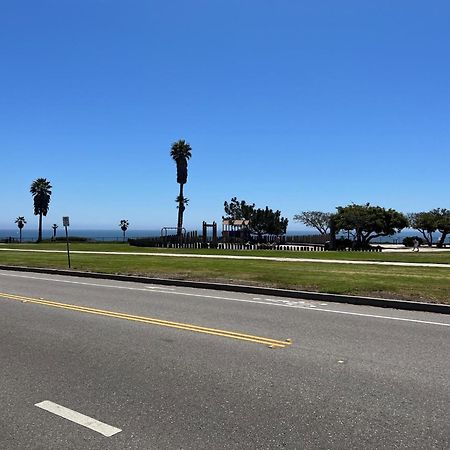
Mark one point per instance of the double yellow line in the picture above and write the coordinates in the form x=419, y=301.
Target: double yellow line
x=272, y=343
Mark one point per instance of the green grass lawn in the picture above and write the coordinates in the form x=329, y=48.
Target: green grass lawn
x=415, y=283
x=435, y=257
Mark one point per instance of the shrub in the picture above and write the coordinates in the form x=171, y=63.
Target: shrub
x=343, y=243
x=71, y=239
x=145, y=242
x=409, y=241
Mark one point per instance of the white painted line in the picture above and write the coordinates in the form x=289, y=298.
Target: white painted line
x=158, y=287
x=281, y=303
x=80, y=419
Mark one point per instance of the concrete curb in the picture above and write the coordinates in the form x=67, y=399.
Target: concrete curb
x=304, y=295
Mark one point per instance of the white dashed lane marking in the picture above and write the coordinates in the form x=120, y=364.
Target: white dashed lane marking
x=80, y=419
x=159, y=287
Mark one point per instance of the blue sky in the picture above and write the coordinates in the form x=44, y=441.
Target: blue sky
x=297, y=105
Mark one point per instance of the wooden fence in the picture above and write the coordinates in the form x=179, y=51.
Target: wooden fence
x=194, y=241
x=292, y=248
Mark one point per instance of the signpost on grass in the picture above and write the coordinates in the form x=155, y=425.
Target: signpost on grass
x=66, y=224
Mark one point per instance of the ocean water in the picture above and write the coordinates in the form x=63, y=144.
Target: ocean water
x=100, y=235
x=30, y=234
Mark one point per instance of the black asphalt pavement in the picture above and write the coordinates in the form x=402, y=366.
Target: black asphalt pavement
x=351, y=377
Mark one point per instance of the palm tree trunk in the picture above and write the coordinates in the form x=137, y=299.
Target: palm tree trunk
x=40, y=228
x=20, y=235
x=180, y=211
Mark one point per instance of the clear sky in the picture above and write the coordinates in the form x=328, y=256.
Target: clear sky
x=297, y=105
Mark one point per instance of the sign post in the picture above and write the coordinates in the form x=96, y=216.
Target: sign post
x=66, y=224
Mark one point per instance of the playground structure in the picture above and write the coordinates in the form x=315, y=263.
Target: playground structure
x=214, y=241
x=235, y=236
x=235, y=231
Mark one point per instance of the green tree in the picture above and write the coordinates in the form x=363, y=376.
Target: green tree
x=260, y=221
x=443, y=224
x=238, y=210
x=267, y=221
x=426, y=223
x=181, y=153
x=315, y=219
x=20, y=224
x=368, y=222
x=124, y=224
x=41, y=192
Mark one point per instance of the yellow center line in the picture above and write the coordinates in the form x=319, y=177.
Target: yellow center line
x=273, y=343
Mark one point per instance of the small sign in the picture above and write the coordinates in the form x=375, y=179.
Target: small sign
x=66, y=221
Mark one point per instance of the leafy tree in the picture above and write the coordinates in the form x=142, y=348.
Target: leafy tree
x=425, y=223
x=124, y=224
x=369, y=222
x=41, y=192
x=267, y=221
x=428, y=222
x=20, y=224
x=260, y=221
x=443, y=224
x=181, y=153
x=238, y=210
x=315, y=219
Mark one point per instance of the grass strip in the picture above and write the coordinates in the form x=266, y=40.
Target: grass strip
x=408, y=283
x=438, y=257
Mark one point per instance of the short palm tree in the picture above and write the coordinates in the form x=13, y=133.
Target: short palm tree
x=124, y=224
x=41, y=191
x=54, y=227
x=181, y=153
x=20, y=224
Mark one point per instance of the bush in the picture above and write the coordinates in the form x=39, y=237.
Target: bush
x=145, y=242
x=409, y=241
x=343, y=243
x=71, y=239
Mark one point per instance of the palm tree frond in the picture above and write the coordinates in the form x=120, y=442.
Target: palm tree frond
x=180, y=150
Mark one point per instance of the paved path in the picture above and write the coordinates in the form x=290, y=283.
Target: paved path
x=265, y=258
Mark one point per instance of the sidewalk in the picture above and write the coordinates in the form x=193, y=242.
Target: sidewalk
x=400, y=248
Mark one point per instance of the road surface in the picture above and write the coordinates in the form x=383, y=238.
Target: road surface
x=98, y=364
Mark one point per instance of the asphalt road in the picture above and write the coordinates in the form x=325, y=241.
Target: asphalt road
x=351, y=376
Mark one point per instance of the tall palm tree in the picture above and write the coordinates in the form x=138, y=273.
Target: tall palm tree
x=20, y=224
x=124, y=224
x=180, y=153
x=41, y=191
